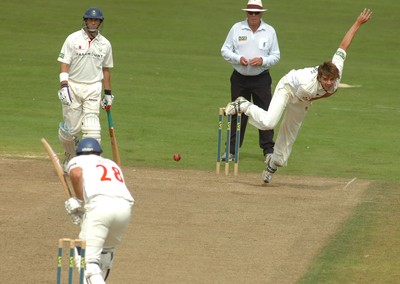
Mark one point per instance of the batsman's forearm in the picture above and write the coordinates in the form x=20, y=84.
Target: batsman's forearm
x=64, y=68
x=77, y=182
x=106, y=79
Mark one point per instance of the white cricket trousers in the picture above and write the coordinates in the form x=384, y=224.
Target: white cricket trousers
x=282, y=100
x=106, y=220
x=85, y=99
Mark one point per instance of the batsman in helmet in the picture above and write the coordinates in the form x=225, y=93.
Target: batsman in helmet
x=102, y=206
x=85, y=62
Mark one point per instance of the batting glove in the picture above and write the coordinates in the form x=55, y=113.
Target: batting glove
x=73, y=205
x=75, y=209
x=64, y=95
x=76, y=219
x=106, y=102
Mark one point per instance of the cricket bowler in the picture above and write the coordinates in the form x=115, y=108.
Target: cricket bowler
x=294, y=93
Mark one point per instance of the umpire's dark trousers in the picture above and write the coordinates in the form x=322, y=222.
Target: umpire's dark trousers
x=258, y=90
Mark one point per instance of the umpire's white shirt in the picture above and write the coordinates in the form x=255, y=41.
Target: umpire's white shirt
x=241, y=41
x=86, y=57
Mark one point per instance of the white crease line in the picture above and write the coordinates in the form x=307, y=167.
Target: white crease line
x=350, y=182
x=345, y=86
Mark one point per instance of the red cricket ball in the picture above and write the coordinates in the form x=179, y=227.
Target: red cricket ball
x=177, y=157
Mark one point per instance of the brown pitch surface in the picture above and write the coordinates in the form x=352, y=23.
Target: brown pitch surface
x=187, y=226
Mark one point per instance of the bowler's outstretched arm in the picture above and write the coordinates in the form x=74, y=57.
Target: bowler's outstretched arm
x=361, y=19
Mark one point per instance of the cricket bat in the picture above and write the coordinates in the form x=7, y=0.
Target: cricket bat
x=56, y=163
x=114, y=145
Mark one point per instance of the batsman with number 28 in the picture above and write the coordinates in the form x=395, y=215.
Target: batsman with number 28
x=294, y=93
x=102, y=206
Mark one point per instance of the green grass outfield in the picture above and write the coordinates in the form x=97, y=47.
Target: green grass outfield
x=169, y=80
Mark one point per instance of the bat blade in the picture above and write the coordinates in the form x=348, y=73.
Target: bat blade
x=56, y=163
x=113, y=139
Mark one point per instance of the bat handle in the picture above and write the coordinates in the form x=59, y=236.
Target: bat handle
x=109, y=118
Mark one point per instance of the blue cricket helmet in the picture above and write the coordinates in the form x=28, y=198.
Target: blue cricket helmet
x=88, y=146
x=93, y=13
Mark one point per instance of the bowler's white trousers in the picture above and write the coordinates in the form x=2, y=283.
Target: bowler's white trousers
x=282, y=100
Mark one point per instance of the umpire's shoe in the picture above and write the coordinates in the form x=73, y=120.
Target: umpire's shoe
x=230, y=157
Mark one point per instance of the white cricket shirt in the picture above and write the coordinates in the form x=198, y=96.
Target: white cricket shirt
x=303, y=83
x=241, y=41
x=100, y=177
x=86, y=57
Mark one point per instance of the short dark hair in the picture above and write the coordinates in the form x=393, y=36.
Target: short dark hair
x=328, y=69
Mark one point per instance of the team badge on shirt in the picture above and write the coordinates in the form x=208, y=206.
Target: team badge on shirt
x=341, y=54
x=242, y=38
x=78, y=47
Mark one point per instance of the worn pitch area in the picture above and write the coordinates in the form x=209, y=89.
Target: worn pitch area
x=187, y=226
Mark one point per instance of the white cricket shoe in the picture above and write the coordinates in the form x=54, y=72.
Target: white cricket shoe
x=266, y=176
x=269, y=170
x=239, y=105
x=77, y=258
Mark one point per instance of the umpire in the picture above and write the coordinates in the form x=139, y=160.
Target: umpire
x=252, y=48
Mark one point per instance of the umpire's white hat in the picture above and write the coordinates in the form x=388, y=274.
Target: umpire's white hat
x=254, y=6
